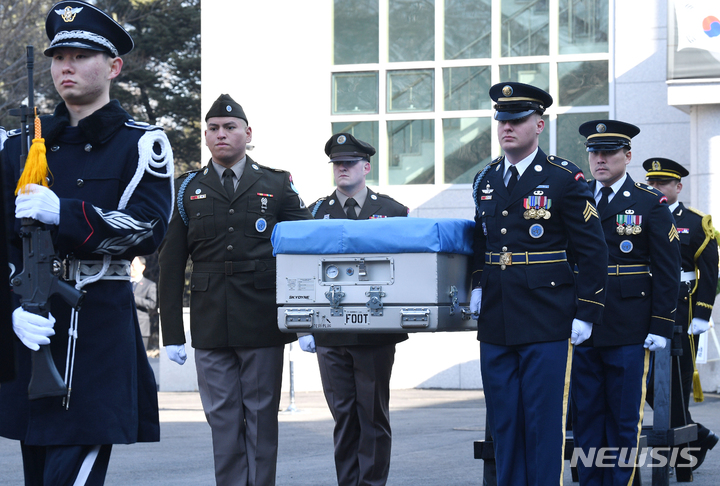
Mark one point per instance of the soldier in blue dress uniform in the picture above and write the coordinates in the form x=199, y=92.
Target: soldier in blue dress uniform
x=355, y=368
x=610, y=370
x=533, y=211
x=109, y=200
x=698, y=282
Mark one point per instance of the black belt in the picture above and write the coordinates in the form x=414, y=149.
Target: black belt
x=525, y=258
x=229, y=268
x=617, y=270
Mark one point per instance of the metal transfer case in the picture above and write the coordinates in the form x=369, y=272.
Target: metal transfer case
x=382, y=275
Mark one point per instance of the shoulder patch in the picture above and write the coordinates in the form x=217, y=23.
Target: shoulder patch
x=141, y=125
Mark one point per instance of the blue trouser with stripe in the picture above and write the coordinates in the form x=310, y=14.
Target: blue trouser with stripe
x=608, y=395
x=526, y=393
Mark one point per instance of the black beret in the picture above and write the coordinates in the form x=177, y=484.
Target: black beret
x=345, y=147
x=226, y=106
x=78, y=24
x=661, y=169
x=517, y=100
x=607, y=135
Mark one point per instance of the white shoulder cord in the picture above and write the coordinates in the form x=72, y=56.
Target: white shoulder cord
x=158, y=165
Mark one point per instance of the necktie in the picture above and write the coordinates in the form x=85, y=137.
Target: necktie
x=604, y=199
x=350, y=208
x=228, y=182
x=513, y=178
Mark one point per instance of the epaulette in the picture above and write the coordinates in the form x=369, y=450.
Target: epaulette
x=563, y=164
x=141, y=125
x=650, y=189
x=696, y=211
x=193, y=171
x=15, y=132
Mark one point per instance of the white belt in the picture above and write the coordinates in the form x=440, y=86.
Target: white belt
x=687, y=276
x=118, y=270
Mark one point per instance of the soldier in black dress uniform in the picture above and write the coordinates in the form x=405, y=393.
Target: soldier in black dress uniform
x=698, y=282
x=533, y=211
x=610, y=370
x=224, y=216
x=355, y=368
x=109, y=200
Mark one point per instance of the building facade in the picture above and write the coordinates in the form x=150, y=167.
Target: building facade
x=412, y=77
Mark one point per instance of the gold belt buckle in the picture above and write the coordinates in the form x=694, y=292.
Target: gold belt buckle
x=505, y=258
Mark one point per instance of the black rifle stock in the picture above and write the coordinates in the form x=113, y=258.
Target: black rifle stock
x=42, y=269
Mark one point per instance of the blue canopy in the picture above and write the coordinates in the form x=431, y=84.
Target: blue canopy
x=385, y=235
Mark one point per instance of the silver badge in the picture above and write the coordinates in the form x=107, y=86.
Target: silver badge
x=564, y=163
x=538, y=168
x=373, y=197
x=487, y=190
x=629, y=211
x=205, y=171
x=341, y=139
x=332, y=201
x=198, y=191
x=254, y=166
x=263, y=204
x=626, y=193
x=601, y=128
x=228, y=108
x=626, y=246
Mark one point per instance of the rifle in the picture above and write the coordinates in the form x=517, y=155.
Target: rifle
x=42, y=270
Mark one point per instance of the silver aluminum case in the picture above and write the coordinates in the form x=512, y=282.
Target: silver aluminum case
x=379, y=292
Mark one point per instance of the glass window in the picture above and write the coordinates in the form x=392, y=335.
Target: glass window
x=570, y=144
x=411, y=30
x=355, y=31
x=525, y=28
x=354, y=93
x=536, y=74
x=467, y=147
x=467, y=29
x=466, y=88
x=367, y=132
x=583, y=26
x=410, y=90
x=583, y=83
x=411, y=152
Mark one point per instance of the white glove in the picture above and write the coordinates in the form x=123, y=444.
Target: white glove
x=581, y=331
x=654, y=342
x=32, y=329
x=176, y=352
x=698, y=326
x=475, y=302
x=307, y=343
x=38, y=203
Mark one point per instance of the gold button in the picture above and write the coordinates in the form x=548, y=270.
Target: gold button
x=552, y=284
x=503, y=231
x=502, y=267
x=504, y=248
x=504, y=213
x=483, y=213
x=642, y=293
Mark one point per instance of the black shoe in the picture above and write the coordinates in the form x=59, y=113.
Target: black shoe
x=705, y=445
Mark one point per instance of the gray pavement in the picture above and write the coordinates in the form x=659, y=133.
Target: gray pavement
x=433, y=434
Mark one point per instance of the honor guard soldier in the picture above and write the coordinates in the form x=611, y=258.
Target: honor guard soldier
x=533, y=211
x=224, y=216
x=355, y=368
x=610, y=370
x=109, y=200
x=698, y=281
